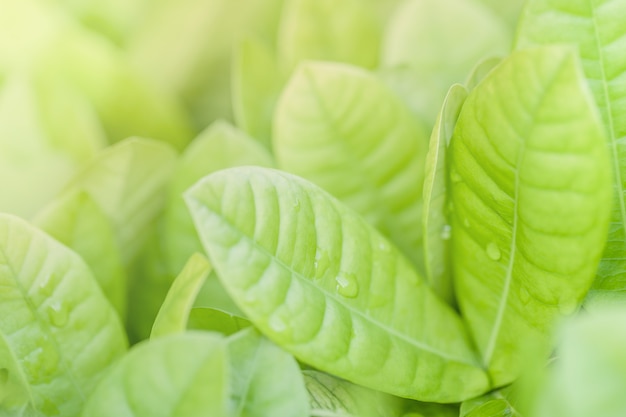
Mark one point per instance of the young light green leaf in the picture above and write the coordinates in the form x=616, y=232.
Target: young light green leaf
x=341, y=128
x=177, y=375
x=480, y=71
x=78, y=222
x=204, y=318
x=327, y=30
x=58, y=333
x=127, y=181
x=264, y=379
x=199, y=72
x=436, y=224
x=588, y=376
x=174, y=312
x=530, y=181
x=257, y=82
x=425, y=36
x=593, y=27
x=494, y=404
x=326, y=286
x=333, y=397
x=220, y=146
x=40, y=147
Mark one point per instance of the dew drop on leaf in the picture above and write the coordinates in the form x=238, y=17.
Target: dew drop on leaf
x=322, y=262
x=493, y=252
x=277, y=323
x=58, y=314
x=296, y=205
x=455, y=176
x=446, y=232
x=347, y=285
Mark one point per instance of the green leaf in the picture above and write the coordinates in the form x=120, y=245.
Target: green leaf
x=436, y=222
x=220, y=146
x=480, y=71
x=174, y=312
x=327, y=30
x=426, y=36
x=58, y=333
x=322, y=283
x=199, y=72
x=593, y=27
x=177, y=375
x=588, y=377
x=341, y=128
x=494, y=404
x=265, y=380
x=40, y=147
x=78, y=222
x=332, y=397
x=203, y=318
x=531, y=194
x=127, y=181
x=257, y=82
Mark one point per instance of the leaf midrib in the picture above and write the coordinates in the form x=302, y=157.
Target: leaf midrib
x=389, y=330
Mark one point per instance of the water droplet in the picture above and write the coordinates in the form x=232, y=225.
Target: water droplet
x=524, y=295
x=296, y=205
x=48, y=285
x=322, y=263
x=43, y=362
x=58, y=314
x=446, y=232
x=567, y=307
x=347, y=285
x=277, y=323
x=4, y=376
x=455, y=176
x=493, y=252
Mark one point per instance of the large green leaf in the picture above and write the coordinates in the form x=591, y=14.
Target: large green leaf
x=78, y=222
x=333, y=397
x=177, y=375
x=588, y=377
x=595, y=28
x=436, y=224
x=345, y=31
x=341, y=128
x=531, y=193
x=58, y=333
x=265, y=380
x=325, y=285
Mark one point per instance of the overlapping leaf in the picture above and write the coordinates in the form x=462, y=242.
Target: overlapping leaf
x=341, y=128
x=317, y=279
x=531, y=193
x=595, y=28
x=58, y=333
